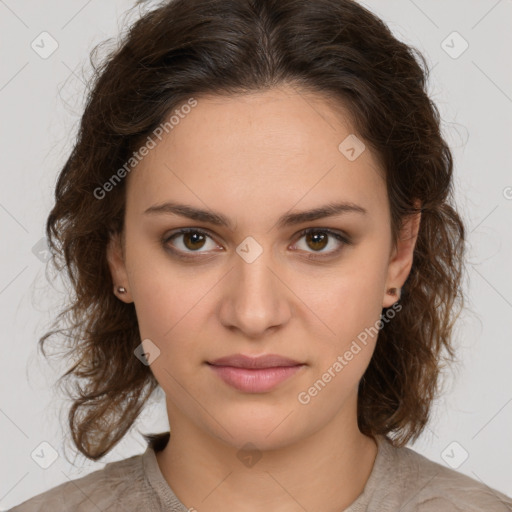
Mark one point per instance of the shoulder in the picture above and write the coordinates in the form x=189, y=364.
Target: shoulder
x=427, y=486
x=118, y=483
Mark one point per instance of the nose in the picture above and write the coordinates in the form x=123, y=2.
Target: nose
x=255, y=298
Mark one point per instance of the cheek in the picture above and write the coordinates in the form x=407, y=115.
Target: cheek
x=351, y=308
x=350, y=299
x=163, y=294
x=349, y=304
x=166, y=315
x=171, y=305
x=171, y=320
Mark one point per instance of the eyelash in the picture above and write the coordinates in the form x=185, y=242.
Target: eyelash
x=338, y=236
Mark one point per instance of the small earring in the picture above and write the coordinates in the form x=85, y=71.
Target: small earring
x=395, y=291
x=121, y=289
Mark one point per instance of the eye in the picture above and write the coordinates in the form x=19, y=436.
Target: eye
x=186, y=241
x=320, y=238
x=190, y=240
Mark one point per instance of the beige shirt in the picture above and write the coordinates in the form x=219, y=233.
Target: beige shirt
x=401, y=480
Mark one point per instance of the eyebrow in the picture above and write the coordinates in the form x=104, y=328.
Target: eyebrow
x=288, y=219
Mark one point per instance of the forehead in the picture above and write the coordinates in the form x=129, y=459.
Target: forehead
x=252, y=152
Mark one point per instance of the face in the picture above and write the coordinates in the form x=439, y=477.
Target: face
x=244, y=278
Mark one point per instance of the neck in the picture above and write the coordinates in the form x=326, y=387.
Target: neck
x=325, y=471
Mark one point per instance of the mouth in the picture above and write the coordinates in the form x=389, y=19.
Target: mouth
x=254, y=362
x=255, y=374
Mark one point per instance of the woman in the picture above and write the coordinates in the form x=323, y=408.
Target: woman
x=257, y=217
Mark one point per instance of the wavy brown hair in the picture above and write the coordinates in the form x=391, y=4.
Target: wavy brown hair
x=188, y=48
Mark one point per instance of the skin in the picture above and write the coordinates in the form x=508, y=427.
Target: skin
x=253, y=158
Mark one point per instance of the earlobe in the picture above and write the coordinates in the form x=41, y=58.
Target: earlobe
x=394, y=293
x=116, y=264
x=401, y=260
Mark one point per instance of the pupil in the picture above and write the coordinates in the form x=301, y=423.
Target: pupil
x=318, y=240
x=196, y=237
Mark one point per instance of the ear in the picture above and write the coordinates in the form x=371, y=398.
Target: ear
x=401, y=259
x=116, y=264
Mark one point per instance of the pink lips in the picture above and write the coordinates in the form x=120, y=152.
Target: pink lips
x=254, y=374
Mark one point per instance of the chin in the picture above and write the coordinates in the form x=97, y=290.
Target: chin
x=265, y=428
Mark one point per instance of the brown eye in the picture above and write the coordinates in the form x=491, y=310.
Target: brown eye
x=316, y=240
x=193, y=240
x=189, y=240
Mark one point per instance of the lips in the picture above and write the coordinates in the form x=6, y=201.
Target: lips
x=258, y=374
x=263, y=361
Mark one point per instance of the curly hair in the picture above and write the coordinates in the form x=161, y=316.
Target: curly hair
x=185, y=48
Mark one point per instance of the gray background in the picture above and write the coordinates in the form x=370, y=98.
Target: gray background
x=41, y=101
